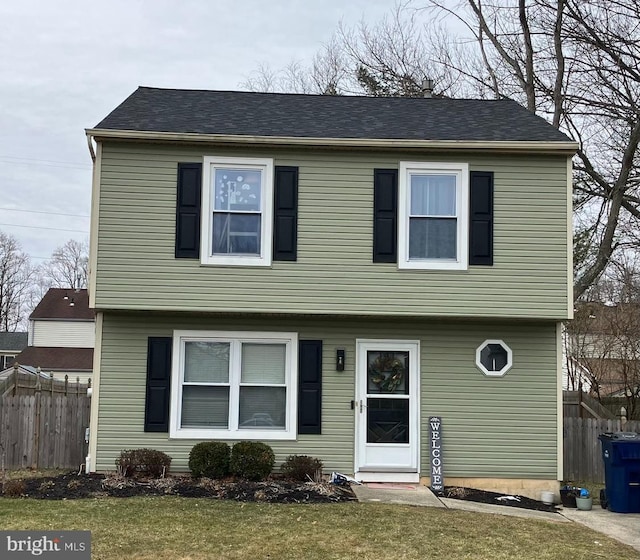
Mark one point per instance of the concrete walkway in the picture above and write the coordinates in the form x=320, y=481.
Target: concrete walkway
x=624, y=527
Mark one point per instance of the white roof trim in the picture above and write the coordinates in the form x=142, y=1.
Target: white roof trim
x=531, y=146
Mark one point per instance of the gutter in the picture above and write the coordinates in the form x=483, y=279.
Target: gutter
x=569, y=147
x=91, y=150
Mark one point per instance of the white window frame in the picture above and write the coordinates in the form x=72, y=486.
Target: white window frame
x=461, y=172
x=180, y=337
x=265, y=165
x=505, y=369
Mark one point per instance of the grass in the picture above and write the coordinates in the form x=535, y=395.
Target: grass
x=30, y=473
x=163, y=528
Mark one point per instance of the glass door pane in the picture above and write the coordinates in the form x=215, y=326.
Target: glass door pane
x=387, y=420
x=387, y=397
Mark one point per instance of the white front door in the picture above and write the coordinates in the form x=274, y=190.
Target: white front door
x=387, y=417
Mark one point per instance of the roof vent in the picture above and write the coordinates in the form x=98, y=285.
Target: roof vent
x=427, y=88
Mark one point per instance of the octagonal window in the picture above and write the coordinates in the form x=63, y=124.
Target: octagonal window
x=494, y=357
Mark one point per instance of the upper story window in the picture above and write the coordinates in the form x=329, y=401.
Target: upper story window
x=433, y=215
x=237, y=211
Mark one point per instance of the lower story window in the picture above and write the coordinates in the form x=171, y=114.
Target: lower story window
x=234, y=385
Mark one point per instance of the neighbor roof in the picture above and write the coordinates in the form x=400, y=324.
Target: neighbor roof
x=326, y=116
x=65, y=359
x=56, y=304
x=13, y=341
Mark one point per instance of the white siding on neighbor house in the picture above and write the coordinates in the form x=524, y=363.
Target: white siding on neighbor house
x=63, y=334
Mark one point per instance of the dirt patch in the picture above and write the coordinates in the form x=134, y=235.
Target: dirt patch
x=69, y=486
x=508, y=500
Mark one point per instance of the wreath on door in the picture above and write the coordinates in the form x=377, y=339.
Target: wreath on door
x=387, y=372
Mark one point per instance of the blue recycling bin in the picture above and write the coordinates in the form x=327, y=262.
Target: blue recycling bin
x=621, y=456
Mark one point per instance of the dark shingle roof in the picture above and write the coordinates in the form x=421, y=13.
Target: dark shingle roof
x=13, y=340
x=324, y=116
x=65, y=359
x=54, y=305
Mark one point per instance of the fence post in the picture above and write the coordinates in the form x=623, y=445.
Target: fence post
x=66, y=383
x=15, y=378
x=36, y=428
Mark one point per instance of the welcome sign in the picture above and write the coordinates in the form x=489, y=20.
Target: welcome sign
x=435, y=454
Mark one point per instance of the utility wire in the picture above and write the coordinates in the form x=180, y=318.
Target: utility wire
x=47, y=213
x=49, y=228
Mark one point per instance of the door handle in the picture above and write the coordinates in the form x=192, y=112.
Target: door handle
x=361, y=406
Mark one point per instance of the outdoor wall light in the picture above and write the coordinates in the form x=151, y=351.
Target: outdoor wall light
x=340, y=359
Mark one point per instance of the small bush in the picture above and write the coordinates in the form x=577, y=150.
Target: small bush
x=210, y=459
x=143, y=462
x=252, y=460
x=302, y=468
x=14, y=488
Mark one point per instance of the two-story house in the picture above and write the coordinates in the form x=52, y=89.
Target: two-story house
x=61, y=335
x=325, y=274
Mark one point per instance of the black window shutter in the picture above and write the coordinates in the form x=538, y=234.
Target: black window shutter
x=310, y=386
x=481, y=218
x=156, y=411
x=385, y=215
x=285, y=214
x=188, y=208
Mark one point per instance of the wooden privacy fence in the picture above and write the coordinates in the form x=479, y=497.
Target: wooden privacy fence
x=582, y=448
x=43, y=430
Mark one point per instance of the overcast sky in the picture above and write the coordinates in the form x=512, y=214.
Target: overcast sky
x=65, y=64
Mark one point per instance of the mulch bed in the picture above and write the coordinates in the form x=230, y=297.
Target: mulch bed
x=482, y=496
x=73, y=486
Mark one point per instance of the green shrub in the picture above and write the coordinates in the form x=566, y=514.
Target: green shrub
x=210, y=459
x=252, y=460
x=14, y=488
x=143, y=462
x=302, y=468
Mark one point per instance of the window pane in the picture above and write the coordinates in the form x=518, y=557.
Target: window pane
x=262, y=407
x=205, y=406
x=237, y=234
x=263, y=363
x=494, y=357
x=433, y=195
x=387, y=372
x=432, y=238
x=387, y=420
x=206, y=362
x=237, y=189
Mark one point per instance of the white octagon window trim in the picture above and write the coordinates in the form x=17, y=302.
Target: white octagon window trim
x=488, y=370
x=235, y=340
x=458, y=171
x=215, y=202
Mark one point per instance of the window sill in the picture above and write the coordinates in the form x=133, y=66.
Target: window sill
x=432, y=265
x=204, y=433
x=236, y=261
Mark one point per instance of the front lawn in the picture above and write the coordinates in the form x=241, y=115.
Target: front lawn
x=169, y=528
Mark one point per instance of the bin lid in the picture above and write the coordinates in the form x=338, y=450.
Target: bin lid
x=620, y=436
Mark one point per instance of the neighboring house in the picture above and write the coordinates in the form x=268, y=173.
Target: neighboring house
x=603, y=349
x=325, y=274
x=61, y=335
x=11, y=344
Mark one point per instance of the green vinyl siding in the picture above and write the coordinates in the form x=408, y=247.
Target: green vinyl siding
x=136, y=267
x=503, y=427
